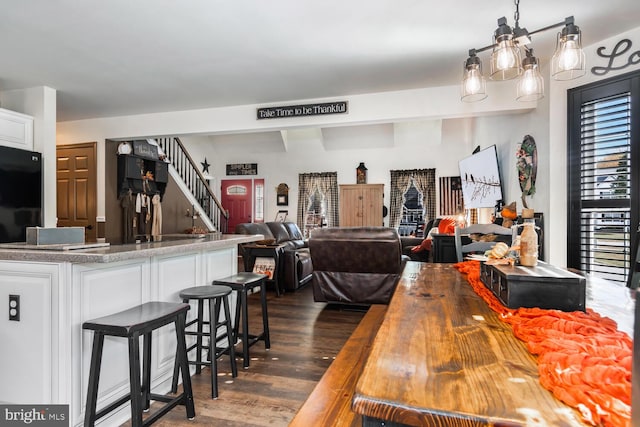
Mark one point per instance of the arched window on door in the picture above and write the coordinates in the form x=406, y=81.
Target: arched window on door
x=236, y=189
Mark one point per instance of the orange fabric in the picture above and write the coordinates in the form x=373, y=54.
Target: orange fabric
x=447, y=225
x=582, y=357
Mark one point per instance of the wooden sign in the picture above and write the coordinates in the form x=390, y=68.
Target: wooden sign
x=144, y=149
x=338, y=107
x=242, y=169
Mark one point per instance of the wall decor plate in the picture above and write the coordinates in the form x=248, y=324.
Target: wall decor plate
x=124, y=148
x=527, y=164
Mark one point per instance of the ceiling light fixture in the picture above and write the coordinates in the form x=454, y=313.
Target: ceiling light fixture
x=568, y=61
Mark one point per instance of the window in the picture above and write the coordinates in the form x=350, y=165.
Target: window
x=258, y=191
x=316, y=212
x=604, y=167
x=317, y=200
x=424, y=182
x=412, y=211
x=236, y=190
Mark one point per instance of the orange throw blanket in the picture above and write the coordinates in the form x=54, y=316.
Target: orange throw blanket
x=582, y=357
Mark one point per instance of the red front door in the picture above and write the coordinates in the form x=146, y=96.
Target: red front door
x=236, y=197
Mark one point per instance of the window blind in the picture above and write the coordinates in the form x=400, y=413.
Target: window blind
x=605, y=186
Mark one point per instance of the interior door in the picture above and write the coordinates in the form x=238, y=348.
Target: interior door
x=236, y=196
x=77, y=188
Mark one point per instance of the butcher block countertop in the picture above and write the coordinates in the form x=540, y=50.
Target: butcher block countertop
x=443, y=357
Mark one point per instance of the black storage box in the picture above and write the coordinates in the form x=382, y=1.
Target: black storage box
x=543, y=286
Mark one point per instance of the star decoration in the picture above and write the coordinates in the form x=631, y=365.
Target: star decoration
x=205, y=166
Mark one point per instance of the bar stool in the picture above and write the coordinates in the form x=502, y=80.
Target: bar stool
x=131, y=324
x=214, y=295
x=242, y=283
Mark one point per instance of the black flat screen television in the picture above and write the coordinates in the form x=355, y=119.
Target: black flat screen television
x=20, y=193
x=480, y=176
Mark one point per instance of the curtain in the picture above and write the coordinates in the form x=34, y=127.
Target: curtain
x=425, y=182
x=327, y=184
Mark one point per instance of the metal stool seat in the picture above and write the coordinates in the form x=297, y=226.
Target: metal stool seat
x=214, y=295
x=131, y=324
x=242, y=283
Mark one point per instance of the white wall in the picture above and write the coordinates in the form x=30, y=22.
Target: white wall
x=299, y=137
x=438, y=144
x=420, y=128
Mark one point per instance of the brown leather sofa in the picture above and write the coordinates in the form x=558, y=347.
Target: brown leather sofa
x=294, y=267
x=355, y=265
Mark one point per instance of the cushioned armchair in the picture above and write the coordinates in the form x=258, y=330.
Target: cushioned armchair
x=294, y=267
x=355, y=265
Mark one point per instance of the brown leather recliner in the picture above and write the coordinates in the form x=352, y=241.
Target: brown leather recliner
x=295, y=267
x=355, y=265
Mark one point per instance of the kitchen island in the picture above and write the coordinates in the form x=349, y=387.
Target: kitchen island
x=44, y=357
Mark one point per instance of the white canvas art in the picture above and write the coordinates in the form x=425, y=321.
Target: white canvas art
x=480, y=175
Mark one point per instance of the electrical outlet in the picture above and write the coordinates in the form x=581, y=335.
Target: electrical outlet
x=14, y=307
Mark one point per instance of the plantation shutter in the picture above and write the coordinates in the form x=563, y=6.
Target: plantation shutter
x=602, y=191
x=605, y=189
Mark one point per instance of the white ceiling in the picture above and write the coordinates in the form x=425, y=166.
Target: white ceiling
x=121, y=57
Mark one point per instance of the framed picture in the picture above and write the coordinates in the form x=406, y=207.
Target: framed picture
x=451, y=195
x=282, y=194
x=265, y=265
x=281, y=216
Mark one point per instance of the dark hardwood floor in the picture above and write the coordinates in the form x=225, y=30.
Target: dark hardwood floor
x=305, y=338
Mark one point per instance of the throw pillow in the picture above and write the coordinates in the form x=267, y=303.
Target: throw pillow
x=447, y=225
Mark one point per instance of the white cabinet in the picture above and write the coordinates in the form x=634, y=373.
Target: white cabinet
x=16, y=130
x=45, y=356
x=30, y=358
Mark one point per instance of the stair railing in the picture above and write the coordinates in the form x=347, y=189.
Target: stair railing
x=195, y=181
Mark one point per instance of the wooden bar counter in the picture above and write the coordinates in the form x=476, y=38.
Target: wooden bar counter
x=442, y=357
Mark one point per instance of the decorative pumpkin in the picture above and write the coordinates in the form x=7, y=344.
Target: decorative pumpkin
x=499, y=250
x=509, y=211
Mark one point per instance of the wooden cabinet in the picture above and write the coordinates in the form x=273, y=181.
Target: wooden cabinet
x=361, y=205
x=142, y=175
x=444, y=248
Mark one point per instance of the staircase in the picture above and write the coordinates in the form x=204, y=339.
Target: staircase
x=193, y=184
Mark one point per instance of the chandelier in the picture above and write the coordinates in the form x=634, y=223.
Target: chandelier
x=568, y=61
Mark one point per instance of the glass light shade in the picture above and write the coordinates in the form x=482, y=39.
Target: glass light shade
x=568, y=60
x=530, y=86
x=474, y=85
x=505, y=59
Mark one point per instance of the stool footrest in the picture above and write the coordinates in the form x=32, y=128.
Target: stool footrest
x=219, y=337
x=254, y=338
x=166, y=398
x=191, y=322
x=171, y=402
x=101, y=413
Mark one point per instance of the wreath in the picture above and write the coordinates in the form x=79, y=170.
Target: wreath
x=527, y=164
